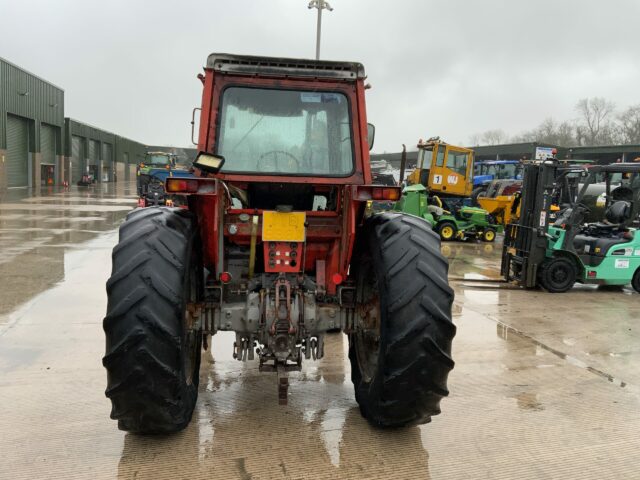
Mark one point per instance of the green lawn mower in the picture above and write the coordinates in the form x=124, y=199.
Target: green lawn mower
x=446, y=217
x=551, y=246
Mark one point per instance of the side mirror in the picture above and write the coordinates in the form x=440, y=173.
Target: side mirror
x=371, y=134
x=209, y=162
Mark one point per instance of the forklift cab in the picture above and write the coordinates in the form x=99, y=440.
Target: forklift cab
x=596, y=240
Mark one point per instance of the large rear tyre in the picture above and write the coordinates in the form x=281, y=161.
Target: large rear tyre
x=153, y=347
x=400, y=349
x=557, y=275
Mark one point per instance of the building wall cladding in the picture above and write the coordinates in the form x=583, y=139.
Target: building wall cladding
x=100, y=149
x=29, y=100
x=41, y=105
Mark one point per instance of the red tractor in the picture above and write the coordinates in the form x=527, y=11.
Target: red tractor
x=277, y=245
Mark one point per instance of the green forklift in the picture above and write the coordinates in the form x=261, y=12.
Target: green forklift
x=450, y=221
x=551, y=246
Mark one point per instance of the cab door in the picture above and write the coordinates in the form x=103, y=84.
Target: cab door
x=452, y=171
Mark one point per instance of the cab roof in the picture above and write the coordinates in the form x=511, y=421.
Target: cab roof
x=617, y=168
x=276, y=66
x=497, y=162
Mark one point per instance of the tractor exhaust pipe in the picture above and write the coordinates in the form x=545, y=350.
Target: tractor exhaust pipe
x=403, y=163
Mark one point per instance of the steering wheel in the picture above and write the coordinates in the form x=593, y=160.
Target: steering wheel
x=293, y=164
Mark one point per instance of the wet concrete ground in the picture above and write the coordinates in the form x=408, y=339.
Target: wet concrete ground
x=545, y=386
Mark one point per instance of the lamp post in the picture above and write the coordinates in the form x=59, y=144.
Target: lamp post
x=320, y=5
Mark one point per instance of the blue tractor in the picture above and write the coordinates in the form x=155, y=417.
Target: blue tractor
x=151, y=175
x=486, y=171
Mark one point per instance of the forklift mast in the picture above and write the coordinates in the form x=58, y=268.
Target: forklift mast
x=525, y=241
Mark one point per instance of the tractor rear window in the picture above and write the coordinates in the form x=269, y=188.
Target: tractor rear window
x=157, y=160
x=291, y=132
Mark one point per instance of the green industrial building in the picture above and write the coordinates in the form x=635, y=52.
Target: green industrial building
x=31, y=128
x=40, y=147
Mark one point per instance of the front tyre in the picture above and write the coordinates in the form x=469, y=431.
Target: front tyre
x=447, y=231
x=400, y=349
x=152, y=343
x=557, y=275
x=489, y=235
x=635, y=281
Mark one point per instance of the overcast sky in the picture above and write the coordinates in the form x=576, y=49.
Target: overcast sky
x=447, y=67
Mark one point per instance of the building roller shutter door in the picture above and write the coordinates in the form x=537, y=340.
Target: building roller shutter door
x=94, y=151
x=17, y=166
x=47, y=145
x=107, y=161
x=76, y=159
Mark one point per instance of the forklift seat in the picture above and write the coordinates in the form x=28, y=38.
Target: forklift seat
x=618, y=212
x=585, y=244
x=592, y=250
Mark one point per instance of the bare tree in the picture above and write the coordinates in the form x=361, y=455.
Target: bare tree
x=549, y=131
x=494, y=137
x=474, y=140
x=629, y=125
x=594, y=127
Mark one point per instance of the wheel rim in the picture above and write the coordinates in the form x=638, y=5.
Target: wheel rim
x=559, y=275
x=190, y=334
x=489, y=235
x=447, y=232
x=367, y=334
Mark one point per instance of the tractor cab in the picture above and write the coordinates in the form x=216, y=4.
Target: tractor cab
x=445, y=169
x=485, y=171
x=158, y=160
x=275, y=245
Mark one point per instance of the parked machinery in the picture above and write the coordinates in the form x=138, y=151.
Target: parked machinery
x=437, y=190
x=550, y=245
x=450, y=223
x=485, y=172
x=274, y=245
x=151, y=174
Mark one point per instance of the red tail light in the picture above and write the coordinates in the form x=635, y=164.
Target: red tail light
x=377, y=192
x=181, y=185
x=201, y=186
x=385, y=193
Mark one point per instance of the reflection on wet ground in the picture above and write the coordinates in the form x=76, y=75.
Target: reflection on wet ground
x=527, y=399
x=36, y=231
